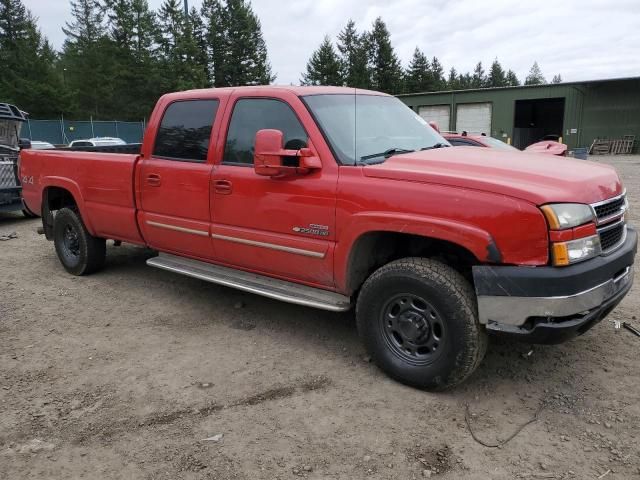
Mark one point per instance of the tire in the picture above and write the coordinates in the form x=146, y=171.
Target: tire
x=418, y=319
x=78, y=251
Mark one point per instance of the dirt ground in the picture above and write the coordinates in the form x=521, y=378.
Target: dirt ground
x=126, y=373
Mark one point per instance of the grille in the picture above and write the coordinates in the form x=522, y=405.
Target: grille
x=614, y=207
x=610, y=237
x=8, y=178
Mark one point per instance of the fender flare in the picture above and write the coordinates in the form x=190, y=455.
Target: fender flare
x=74, y=189
x=476, y=240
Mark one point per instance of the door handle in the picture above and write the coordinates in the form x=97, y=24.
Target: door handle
x=153, y=179
x=223, y=187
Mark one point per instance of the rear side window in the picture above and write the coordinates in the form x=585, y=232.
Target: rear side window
x=253, y=114
x=185, y=130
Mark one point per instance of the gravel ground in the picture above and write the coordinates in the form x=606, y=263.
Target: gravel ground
x=139, y=373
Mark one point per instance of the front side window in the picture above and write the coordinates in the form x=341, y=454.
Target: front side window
x=185, y=130
x=360, y=127
x=253, y=114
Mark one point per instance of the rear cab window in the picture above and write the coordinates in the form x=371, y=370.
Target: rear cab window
x=185, y=131
x=253, y=114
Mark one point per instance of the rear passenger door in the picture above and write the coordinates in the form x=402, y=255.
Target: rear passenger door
x=174, y=181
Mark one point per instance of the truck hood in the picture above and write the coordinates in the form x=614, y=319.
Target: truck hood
x=536, y=178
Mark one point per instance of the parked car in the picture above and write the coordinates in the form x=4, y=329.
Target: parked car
x=472, y=140
x=549, y=147
x=274, y=191
x=11, y=120
x=97, y=142
x=40, y=145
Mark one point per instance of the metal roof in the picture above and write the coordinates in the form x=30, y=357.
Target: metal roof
x=547, y=85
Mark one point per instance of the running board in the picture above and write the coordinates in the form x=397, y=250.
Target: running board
x=250, y=282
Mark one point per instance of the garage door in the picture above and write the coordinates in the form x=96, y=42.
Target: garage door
x=474, y=118
x=436, y=113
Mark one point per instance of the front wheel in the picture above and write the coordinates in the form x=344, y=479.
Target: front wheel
x=418, y=320
x=79, y=252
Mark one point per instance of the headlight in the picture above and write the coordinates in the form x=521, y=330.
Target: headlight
x=567, y=215
x=566, y=253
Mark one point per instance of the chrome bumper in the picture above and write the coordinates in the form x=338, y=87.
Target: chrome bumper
x=514, y=310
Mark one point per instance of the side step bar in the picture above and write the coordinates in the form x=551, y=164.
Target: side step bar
x=250, y=282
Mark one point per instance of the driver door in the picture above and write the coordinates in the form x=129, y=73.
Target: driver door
x=277, y=226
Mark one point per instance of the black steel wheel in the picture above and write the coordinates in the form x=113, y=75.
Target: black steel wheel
x=413, y=328
x=418, y=320
x=79, y=252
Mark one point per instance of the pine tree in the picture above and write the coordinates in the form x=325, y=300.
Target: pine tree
x=512, y=79
x=497, y=77
x=28, y=77
x=465, y=81
x=323, y=68
x=453, y=82
x=557, y=79
x=137, y=77
x=179, y=49
x=353, y=57
x=88, y=61
x=237, y=50
x=386, y=71
x=201, y=56
x=418, y=77
x=437, y=71
x=213, y=16
x=535, y=76
x=478, y=79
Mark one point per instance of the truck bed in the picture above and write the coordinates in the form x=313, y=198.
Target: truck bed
x=102, y=184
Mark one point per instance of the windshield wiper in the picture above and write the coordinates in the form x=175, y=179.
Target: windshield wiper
x=387, y=153
x=437, y=145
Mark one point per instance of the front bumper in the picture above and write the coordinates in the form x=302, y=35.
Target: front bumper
x=551, y=304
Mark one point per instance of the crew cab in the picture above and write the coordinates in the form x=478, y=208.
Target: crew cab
x=336, y=198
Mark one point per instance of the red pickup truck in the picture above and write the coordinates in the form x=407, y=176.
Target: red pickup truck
x=331, y=198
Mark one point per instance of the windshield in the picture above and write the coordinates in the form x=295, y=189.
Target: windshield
x=495, y=143
x=358, y=126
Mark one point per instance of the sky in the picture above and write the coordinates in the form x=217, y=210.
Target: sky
x=578, y=39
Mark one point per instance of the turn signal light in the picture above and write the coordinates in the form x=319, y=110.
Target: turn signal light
x=567, y=253
x=560, y=254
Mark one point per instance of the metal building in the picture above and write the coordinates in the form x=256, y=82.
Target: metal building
x=576, y=112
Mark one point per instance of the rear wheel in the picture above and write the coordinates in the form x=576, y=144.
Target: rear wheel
x=79, y=252
x=418, y=319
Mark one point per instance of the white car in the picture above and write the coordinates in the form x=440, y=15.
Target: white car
x=40, y=145
x=98, y=142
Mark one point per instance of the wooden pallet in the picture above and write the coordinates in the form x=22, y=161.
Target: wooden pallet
x=616, y=146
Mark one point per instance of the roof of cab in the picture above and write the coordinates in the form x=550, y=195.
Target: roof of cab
x=265, y=89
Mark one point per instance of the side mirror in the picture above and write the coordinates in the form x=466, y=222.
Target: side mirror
x=269, y=153
x=24, y=143
x=434, y=125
